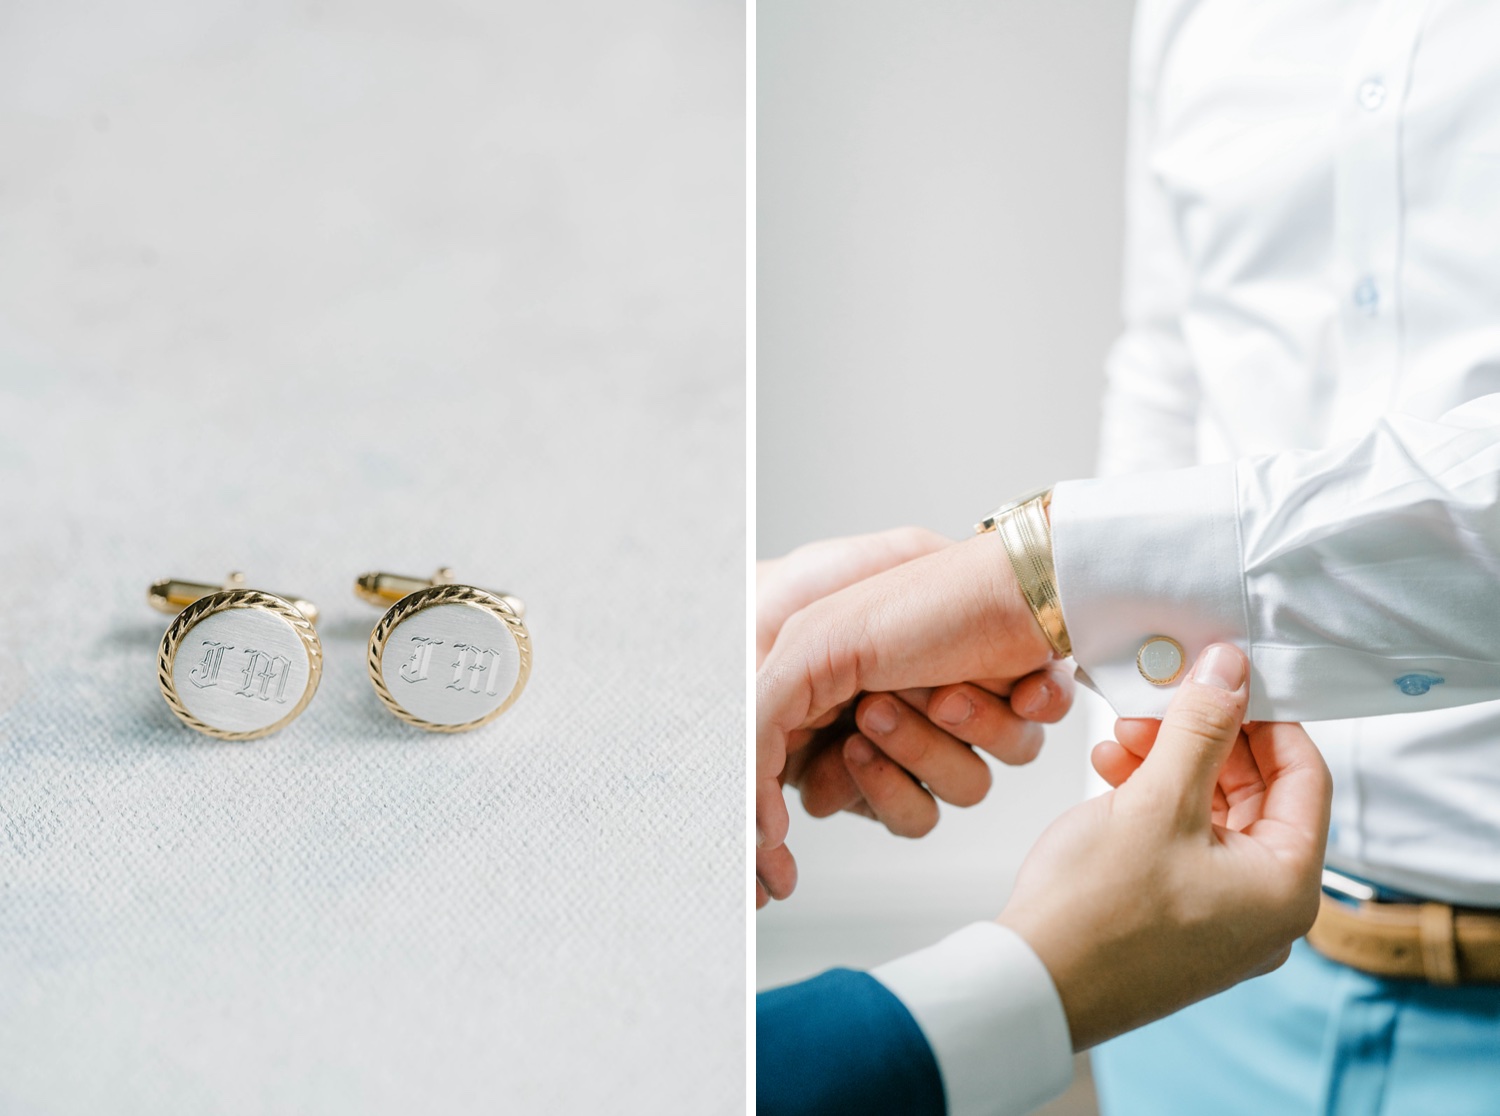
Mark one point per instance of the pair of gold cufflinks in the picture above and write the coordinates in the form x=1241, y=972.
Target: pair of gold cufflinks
x=239, y=663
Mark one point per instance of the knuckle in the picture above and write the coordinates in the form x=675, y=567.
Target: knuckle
x=1023, y=745
x=776, y=871
x=827, y=648
x=882, y=786
x=1055, y=710
x=995, y=734
x=910, y=744
x=847, y=639
x=805, y=627
x=1208, y=719
x=971, y=789
x=818, y=803
x=1063, y=703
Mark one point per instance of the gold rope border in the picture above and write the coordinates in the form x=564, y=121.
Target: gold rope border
x=413, y=603
x=213, y=603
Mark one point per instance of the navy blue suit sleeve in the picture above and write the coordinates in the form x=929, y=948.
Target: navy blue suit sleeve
x=840, y=1044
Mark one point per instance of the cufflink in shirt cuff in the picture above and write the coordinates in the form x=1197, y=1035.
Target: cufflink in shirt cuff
x=1149, y=574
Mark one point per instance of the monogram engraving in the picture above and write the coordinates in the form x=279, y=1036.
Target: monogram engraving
x=271, y=671
x=473, y=662
x=447, y=664
x=415, y=668
x=206, y=673
x=265, y=675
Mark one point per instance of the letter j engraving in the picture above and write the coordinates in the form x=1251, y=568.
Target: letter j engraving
x=206, y=673
x=415, y=668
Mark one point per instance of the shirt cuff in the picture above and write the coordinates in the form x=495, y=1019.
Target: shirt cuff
x=989, y=1011
x=1151, y=554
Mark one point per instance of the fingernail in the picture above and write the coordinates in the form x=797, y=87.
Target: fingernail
x=760, y=838
x=859, y=750
x=955, y=709
x=1036, y=700
x=1222, y=666
x=881, y=717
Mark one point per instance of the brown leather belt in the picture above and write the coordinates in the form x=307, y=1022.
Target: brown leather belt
x=1419, y=941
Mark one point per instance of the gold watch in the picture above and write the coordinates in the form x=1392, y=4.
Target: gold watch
x=1026, y=531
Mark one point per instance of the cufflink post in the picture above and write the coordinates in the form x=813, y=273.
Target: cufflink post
x=172, y=595
x=381, y=588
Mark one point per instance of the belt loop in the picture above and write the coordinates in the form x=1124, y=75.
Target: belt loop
x=1439, y=948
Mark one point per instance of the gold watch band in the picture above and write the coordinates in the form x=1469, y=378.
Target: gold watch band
x=1026, y=533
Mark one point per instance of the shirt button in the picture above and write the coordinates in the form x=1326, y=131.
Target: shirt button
x=1160, y=660
x=1367, y=297
x=1372, y=94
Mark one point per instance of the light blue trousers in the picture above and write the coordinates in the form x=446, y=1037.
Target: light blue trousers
x=1312, y=1039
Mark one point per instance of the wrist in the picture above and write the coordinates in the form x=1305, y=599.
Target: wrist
x=1008, y=609
x=1084, y=963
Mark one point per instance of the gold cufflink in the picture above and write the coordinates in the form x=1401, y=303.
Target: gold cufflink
x=1160, y=660
x=236, y=663
x=445, y=657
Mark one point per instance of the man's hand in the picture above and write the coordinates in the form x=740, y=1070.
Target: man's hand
x=784, y=586
x=931, y=729
x=1197, y=871
x=948, y=655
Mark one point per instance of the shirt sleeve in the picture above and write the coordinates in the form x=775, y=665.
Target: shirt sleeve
x=1362, y=579
x=992, y=1017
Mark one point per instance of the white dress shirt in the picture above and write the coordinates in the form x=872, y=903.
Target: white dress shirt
x=1301, y=440
x=1301, y=437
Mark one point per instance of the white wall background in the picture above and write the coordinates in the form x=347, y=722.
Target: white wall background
x=939, y=238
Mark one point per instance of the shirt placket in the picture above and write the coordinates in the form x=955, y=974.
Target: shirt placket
x=1367, y=216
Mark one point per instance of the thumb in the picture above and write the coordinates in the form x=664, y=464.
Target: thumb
x=1200, y=727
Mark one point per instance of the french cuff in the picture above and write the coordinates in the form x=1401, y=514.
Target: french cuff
x=1145, y=561
x=989, y=1011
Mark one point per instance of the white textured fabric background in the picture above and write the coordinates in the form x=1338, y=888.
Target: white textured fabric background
x=311, y=289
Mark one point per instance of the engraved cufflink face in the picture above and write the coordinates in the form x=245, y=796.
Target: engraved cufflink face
x=447, y=658
x=1160, y=660
x=237, y=663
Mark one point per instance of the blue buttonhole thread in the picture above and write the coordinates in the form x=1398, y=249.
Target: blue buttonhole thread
x=1417, y=684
